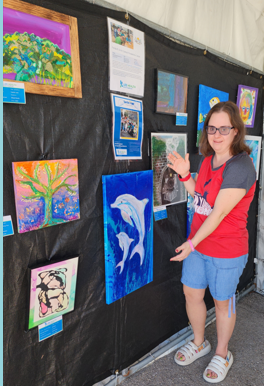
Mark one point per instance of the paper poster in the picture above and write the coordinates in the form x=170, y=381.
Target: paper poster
x=127, y=133
x=167, y=188
x=128, y=232
x=126, y=58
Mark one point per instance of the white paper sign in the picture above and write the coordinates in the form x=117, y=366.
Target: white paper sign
x=126, y=58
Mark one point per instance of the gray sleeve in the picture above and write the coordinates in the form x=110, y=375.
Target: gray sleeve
x=200, y=164
x=239, y=173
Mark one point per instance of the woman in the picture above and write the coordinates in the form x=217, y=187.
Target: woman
x=217, y=249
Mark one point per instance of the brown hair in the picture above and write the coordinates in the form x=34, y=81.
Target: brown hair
x=238, y=145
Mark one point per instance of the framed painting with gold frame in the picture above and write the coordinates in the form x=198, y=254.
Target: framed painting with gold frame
x=41, y=49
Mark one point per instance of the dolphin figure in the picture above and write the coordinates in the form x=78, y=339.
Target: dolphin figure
x=132, y=208
x=124, y=243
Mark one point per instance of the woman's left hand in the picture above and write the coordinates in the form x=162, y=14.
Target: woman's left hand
x=185, y=250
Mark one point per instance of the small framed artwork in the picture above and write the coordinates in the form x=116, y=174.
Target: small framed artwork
x=190, y=210
x=247, y=103
x=172, y=92
x=167, y=188
x=52, y=291
x=254, y=143
x=41, y=49
x=46, y=193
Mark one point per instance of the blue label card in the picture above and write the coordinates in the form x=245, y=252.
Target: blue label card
x=181, y=119
x=50, y=328
x=7, y=226
x=14, y=92
x=160, y=213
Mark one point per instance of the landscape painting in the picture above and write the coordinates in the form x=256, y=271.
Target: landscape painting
x=172, y=92
x=52, y=291
x=247, y=103
x=208, y=97
x=167, y=188
x=41, y=49
x=46, y=193
x=128, y=232
x=254, y=143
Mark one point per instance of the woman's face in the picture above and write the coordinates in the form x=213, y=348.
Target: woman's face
x=221, y=143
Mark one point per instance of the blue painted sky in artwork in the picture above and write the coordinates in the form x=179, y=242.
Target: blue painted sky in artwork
x=206, y=94
x=133, y=275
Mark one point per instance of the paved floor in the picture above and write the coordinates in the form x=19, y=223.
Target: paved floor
x=246, y=345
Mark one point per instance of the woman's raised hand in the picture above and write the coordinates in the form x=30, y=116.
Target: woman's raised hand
x=178, y=164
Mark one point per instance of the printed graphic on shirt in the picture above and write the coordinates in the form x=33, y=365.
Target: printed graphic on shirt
x=201, y=205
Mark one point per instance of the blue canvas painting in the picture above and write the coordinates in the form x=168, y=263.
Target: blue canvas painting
x=190, y=211
x=254, y=143
x=208, y=97
x=128, y=232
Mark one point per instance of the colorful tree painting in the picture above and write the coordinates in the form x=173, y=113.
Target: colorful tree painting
x=46, y=193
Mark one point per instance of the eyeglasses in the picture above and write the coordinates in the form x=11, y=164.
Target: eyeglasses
x=223, y=130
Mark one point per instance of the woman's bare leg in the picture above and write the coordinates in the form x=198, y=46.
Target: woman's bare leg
x=224, y=327
x=196, y=311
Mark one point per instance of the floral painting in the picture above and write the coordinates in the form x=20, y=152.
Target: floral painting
x=46, y=193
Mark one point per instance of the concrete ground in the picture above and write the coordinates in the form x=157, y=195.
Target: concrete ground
x=246, y=345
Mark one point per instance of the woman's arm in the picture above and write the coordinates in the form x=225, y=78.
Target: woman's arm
x=182, y=167
x=225, y=201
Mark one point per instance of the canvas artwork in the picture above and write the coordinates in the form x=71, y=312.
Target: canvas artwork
x=208, y=97
x=254, y=143
x=171, y=93
x=128, y=232
x=247, y=103
x=52, y=291
x=167, y=188
x=190, y=210
x=40, y=48
x=46, y=193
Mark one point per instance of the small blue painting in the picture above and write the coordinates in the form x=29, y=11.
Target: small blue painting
x=190, y=211
x=128, y=232
x=254, y=143
x=208, y=97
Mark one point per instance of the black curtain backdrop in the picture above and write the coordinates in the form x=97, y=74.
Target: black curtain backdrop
x=97, y=338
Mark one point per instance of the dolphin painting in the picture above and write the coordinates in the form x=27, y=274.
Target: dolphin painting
x=124, y=243
x=133, y=209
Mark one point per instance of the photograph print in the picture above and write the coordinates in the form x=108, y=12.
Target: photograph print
x=167, y=188
x=172, y=92
x=121, y=35
x=128, y=232
x=52, y=291
x=129, y=124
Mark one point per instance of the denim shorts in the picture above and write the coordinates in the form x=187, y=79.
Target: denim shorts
x=221, y=275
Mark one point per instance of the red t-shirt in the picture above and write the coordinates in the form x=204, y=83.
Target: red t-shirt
x=230, y=238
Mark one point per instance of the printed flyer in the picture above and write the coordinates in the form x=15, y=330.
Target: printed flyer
x=126, y=58
x=127, y=127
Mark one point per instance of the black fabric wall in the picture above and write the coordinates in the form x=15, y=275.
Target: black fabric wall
x=97, y=338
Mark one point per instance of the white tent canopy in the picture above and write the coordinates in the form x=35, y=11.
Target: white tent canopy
x=233, y=28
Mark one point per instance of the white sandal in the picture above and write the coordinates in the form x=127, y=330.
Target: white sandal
x=192, y=352
x=220, y=366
